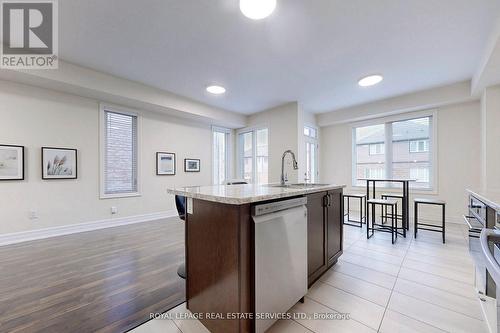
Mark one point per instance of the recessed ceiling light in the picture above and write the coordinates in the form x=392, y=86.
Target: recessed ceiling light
x=257, y=9
x=216, y=90
x=370, y=80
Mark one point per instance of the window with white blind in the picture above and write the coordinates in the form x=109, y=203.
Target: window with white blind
x=119, y=151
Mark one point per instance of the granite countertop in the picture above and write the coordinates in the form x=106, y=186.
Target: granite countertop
x=244, y=194
x=490, y=198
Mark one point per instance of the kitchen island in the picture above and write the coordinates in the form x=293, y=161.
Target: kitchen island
x=221, y=251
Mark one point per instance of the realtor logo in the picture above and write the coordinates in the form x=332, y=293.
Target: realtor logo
x=29, y=34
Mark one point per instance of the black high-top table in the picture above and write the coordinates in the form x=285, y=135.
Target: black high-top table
x=406, y=194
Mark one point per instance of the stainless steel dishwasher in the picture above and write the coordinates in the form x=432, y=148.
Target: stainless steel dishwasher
x=280, y=258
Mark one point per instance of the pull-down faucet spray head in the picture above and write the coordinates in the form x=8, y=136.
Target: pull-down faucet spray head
x=294, y=163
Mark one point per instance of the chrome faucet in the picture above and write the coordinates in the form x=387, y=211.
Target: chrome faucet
x=295, y=165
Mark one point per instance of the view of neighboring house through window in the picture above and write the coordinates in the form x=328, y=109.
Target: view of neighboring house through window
x=369, y=152
x=311, y=139
x=119, y=154
x=411, y=157
x=420, y=174
x=220, y=141
x=377, y=149
x=253, y=153
x=400, y=149
x=419, y=146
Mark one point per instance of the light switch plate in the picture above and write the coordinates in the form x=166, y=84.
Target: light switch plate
x=190, y=205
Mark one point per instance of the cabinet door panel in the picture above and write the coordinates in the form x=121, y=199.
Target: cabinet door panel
x=315, y=232
x=334, y=225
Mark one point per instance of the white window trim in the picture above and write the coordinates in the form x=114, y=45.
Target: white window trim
x=229, y=150
x=123, y=110
x=433, y=147
x=255, y=128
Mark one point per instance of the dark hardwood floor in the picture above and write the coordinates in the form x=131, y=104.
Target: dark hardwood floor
x=107, y=280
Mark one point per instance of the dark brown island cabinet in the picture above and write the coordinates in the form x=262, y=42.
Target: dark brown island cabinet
x=324, y=232
x=220, y=254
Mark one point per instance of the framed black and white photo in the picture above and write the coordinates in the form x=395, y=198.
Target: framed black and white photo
x=165, y=164
x=192, y=165
x=11, y=162
x=59, y=163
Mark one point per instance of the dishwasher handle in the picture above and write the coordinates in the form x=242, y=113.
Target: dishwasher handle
x=492, y=265
x=277, y=206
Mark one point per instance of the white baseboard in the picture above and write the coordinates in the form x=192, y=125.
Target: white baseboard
x=25, y=236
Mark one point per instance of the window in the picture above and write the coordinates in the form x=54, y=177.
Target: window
x=420, y=174
x=374, y=173
x=254, y=155
x=311, y=135
x=399, y=149
x=419, y=146
x=262, y=156
x=368, y=164
x=311, y=132
x=377, y=149
x=119, y=142
x=220, y=141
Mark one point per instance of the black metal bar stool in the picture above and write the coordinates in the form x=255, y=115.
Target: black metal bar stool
x=430, y=227
x=362, y=217
x=393, y=228
x=384, y=210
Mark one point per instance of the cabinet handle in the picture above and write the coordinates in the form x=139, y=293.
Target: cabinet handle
x=329, y=200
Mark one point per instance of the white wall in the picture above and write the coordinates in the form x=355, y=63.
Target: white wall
x=459, y=138
x=35, y=117
x=286, y=131
x=89, y=83
x=282, y=122
x=425, y=99
x=304, y=119
x=490, y=139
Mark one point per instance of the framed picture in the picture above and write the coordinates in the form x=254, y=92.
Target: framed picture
x=59, y=163
x=192, y=165
x=165, y=164
x=11, y=162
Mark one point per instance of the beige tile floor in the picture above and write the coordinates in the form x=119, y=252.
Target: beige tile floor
x=413, y=286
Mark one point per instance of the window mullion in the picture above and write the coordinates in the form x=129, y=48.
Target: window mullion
x=388, y=151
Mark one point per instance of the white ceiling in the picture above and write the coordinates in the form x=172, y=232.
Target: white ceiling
x=310, y=51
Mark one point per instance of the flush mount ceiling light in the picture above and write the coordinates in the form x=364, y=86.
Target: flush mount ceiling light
x=257, y=9
x=216, y=90
x=370, y=80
